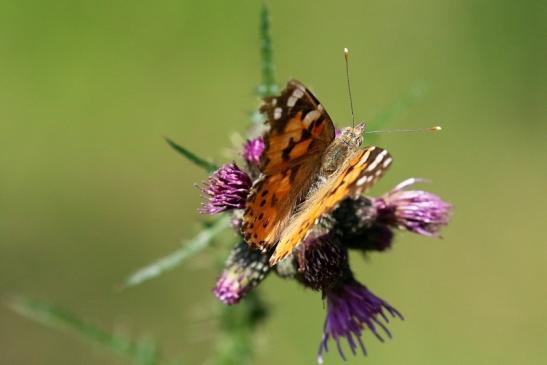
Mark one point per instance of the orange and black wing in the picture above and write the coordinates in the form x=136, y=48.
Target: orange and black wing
x=359, y=172
x=300, y=130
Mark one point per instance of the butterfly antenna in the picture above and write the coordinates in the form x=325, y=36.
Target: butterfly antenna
x=436, y=128
x=346, y=56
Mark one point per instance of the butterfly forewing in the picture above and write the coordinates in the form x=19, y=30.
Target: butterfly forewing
x=300, y=132
x=359, y=172
x=300, y=129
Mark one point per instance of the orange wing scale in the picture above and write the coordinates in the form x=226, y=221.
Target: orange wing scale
x=262, y=213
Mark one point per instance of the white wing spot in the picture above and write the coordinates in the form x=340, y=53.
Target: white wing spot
x=310, y=117
x=277, y=113
x=387, y=162
x=274, y=101
x=377, y=160
x=298, y=93
x=365, y=157
x=363, y=180
x=291, y=101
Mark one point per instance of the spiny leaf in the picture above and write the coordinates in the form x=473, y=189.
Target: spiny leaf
x=201, y=241
x=268, y=86
x=139, y=352
x=204, y=164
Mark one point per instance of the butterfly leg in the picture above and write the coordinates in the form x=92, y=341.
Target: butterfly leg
x=301, y=257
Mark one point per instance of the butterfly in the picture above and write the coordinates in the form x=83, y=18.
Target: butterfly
x=305, y=171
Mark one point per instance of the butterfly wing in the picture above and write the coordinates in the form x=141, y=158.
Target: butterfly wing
x=359, y=172
x=300, y=132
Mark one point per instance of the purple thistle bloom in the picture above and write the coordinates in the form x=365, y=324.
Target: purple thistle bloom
x=414, y=210
x=352, y=308
x=243, y=271
x=227, y=188
x=320, y=262
x=252, y=150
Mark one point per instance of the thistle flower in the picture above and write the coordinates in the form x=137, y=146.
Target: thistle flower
x=227, y=188
x=352, y=308
x=414, y=210
x=244, y=270
x=320, y=262
x=355, y=225
x=377, y=237
x=252, y=150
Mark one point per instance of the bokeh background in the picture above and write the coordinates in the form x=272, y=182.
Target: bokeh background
x=89, y=191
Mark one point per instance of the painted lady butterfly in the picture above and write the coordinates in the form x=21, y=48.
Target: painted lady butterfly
x=305, y=171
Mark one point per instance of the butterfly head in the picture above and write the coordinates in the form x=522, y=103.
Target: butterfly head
x=352, y=136
x=348, y=140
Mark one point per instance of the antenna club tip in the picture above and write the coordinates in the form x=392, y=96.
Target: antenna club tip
x=437, y=128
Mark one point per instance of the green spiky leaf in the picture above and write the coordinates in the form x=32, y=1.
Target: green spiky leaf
x=142, y=352
x=201, y=241
x=204, y=164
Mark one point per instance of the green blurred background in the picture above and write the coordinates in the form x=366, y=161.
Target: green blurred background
x=89, y=191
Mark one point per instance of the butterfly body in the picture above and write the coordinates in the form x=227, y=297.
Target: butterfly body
x=350, y=140
x=305, y=171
